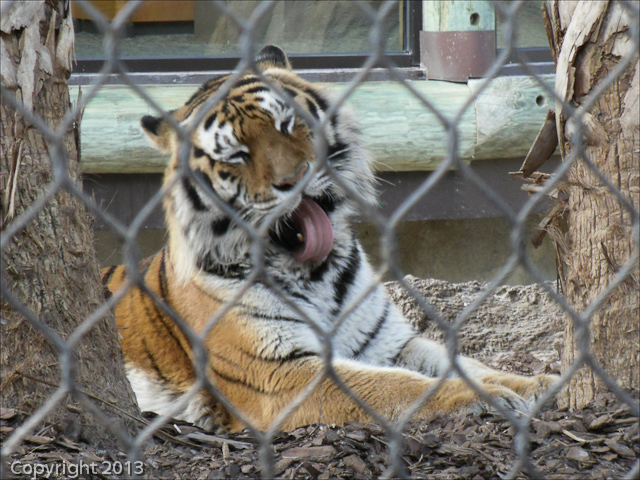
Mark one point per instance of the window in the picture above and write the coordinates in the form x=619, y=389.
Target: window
x=166, y=35
x=531, y=32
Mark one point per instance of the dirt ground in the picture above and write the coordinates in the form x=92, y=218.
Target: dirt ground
x=516, y=329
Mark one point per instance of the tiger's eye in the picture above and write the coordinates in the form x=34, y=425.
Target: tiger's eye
x=239, y=157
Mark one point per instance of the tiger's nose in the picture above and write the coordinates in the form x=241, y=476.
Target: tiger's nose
x=288, y=183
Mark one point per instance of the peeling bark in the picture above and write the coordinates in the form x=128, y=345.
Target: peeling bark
x=50, y=264
x=590, y=39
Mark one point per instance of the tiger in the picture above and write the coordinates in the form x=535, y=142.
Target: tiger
x=277, y=317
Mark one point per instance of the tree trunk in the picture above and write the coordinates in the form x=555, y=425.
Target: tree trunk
x=589, y=39
x=49, y=265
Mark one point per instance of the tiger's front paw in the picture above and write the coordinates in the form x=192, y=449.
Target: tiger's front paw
x=460, y=397
x=502, y=396
x=537, y=386
x=530, y=388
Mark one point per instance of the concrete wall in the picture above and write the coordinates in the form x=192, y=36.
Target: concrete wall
x=459, y=250
x=451, y=250
x=453, y=233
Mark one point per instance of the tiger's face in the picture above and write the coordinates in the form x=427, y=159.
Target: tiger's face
x=251, y=150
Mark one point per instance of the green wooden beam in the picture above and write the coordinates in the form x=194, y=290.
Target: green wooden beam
x=401, y=132
x=458, y=16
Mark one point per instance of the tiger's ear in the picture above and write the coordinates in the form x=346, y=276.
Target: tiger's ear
x=272, y=56
x=159, y=131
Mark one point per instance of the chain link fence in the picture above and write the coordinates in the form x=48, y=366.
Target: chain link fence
x=387, y=226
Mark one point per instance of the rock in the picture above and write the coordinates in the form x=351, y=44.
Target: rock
x=620, y=449
x=577, y=454
x=356, y=463
x=600, y=422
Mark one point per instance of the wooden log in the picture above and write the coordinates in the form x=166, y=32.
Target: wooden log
x=401, y=132
x=509, y=113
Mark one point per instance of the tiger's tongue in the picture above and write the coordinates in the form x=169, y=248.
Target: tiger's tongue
x=316, y=231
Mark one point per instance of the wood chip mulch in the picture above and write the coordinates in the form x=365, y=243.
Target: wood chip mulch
x=599, y=442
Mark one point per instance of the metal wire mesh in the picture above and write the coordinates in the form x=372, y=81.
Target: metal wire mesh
x=111, y=32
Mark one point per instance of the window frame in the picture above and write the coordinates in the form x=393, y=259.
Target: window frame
x=540, y=61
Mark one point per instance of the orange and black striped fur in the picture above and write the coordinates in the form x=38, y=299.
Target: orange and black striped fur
x=254, y=162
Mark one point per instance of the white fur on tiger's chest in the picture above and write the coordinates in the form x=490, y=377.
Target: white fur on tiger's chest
x=282, y=327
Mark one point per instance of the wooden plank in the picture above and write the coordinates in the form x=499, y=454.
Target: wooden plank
x=402, y=134
x=108, y=8
x=165, y=11
x=150, y=11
